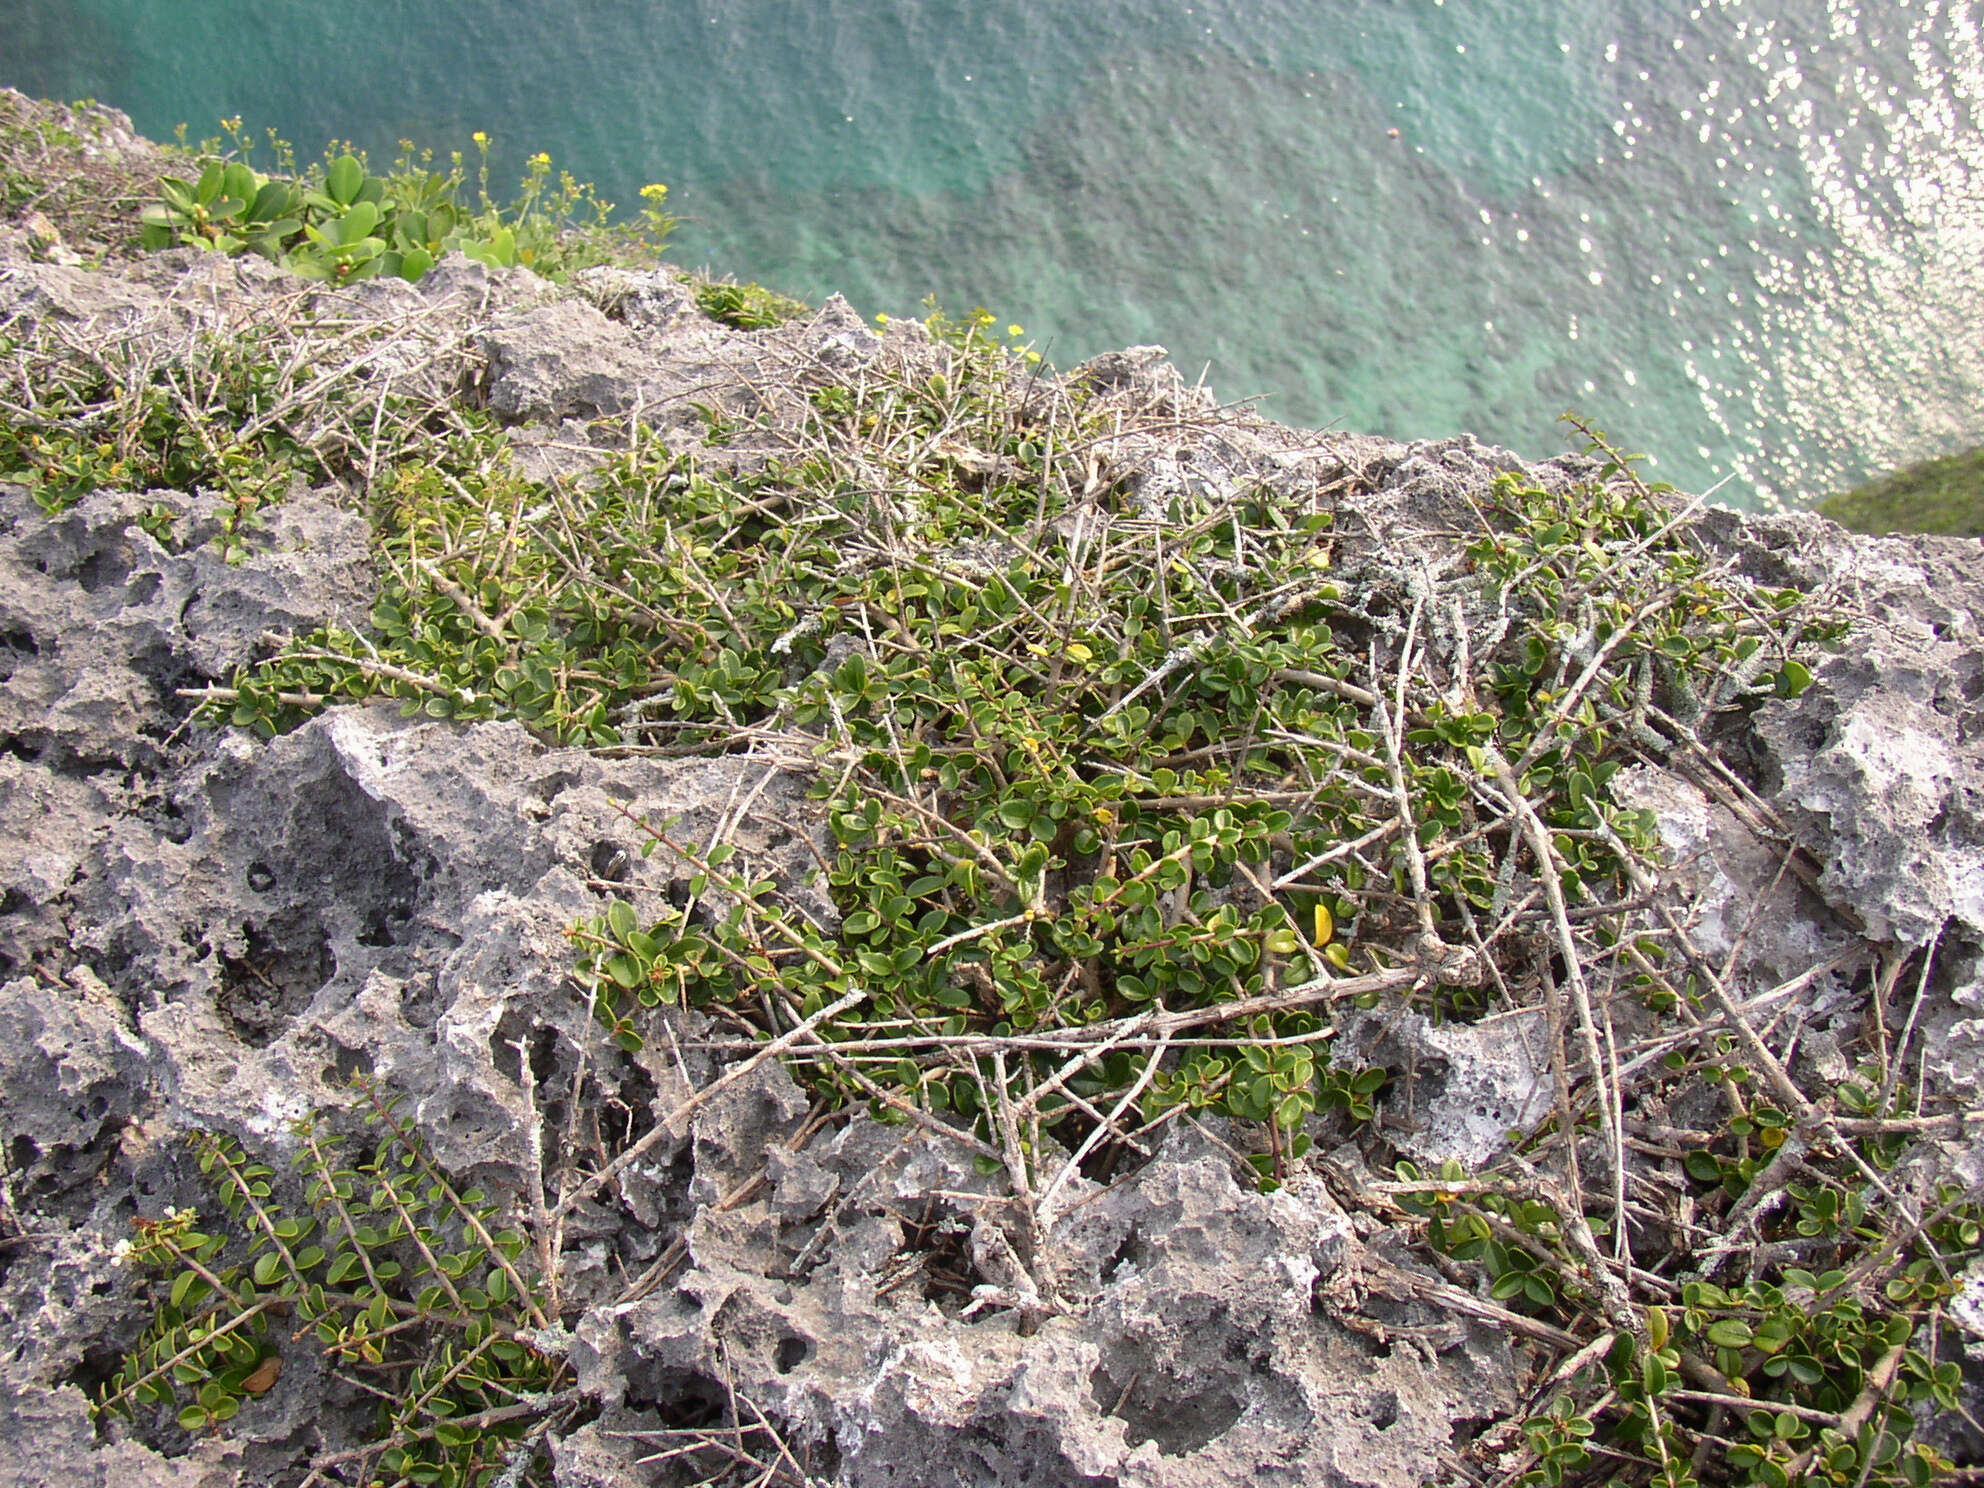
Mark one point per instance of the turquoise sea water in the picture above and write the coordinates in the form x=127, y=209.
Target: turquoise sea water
x=1746, y=236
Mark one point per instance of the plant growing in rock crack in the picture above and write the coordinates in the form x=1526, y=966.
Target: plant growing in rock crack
x=1045, y=820
x=746, y=307
x=1090, y=758
x=241, y=406
x=1793, y=1376
x=57, y=177
x=97, y=421
x=406, y=1287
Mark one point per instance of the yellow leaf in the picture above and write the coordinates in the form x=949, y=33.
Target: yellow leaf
x=1325, y=924
x=1080, y=652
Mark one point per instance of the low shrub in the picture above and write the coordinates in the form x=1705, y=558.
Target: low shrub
x=343, y=223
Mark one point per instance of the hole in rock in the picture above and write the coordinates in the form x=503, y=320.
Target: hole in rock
x=820, y=1460
x=1189, y=1387
x=420, y=1001
x=94, y=1370
x=611, y=862
x=1464, y=1432
x=1181, y=1415
x=102, y=569
x=1003, y=1452
x=682, y=1399
x=346, y=1065
x=677, y=890
x=514, y=1030
x=938, y=1246
x=1108, y=1161
x=626, y=1114
x=553, y=785
x=16, y=646
x=706, y=1439
x=791, y=1353
x=286, y=962
x=362, y=859
x=1130, y=1253
x=1384, y=1410
x=260, y=879
x=383, y=924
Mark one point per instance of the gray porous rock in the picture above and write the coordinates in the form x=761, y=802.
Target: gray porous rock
x=1466, y=1086
x=1878, y=771
x=205, y=930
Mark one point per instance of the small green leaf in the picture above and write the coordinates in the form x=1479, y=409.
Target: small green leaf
x=1654, y=1375
x=344, y=179
x=1730, y=1333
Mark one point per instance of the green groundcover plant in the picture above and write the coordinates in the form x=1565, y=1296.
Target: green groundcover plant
x=405, y=1287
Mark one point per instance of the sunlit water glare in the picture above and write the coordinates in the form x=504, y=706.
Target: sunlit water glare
x=1746, y=236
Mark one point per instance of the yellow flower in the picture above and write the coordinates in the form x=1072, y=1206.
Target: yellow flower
x=654, y=192
x=480, y=139
x=1013, y=330
x=540, y=161
x=881, y=317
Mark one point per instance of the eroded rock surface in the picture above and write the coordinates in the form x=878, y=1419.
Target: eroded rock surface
x=207, y=930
